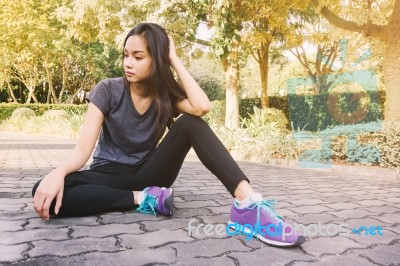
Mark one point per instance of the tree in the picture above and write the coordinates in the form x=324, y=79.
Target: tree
x=320, y=66
x=224, y=17
x=265, y=22
x=384, y=27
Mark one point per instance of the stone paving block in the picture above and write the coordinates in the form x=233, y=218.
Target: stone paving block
x=168, y=224
x=337, y=198
x=220, y=209
x=100, y=231
x=343, y=206
x=60, y=222
x=310, y=209
x=393, y=200
x=357, y=198
x=345, y=214
x=286, y=213
x=332, y=260
x=390, y=218
x=224, y=201
x=270, y=256
x=214, y=219
x=24, y=236
x=371, y=202
x=12, y=253
x=367, y=222
x=196, y=204
x=356, y=192
x=386, y=209
x=315, y=218
x=136, y=256
x=208, y=248
x=203, y=197
x=382, y=254
x=73, y=246
x=128, y=218
x=394, y=229
x=11, y=225
x=387, y=237
x=13, y=207
x=305, y=202
x=226, y=261
x=15, y=201
x=330, y=245
x=154, y=239
x=209, y=191
x=190, y=212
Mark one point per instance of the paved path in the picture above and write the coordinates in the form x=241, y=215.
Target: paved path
x=306, y=196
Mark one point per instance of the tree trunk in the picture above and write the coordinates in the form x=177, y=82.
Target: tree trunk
x=11, y=93
x=231, y=80
x=50, y=81
x=64, y=83
x=48, y=96
x=391, y=73
x=28, y=100
x=31, y=95
x=264, y=83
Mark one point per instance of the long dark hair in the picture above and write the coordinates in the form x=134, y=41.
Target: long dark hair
x=163, y=87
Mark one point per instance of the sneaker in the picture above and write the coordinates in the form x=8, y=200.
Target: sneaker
x=157, y=200
x=260, y=220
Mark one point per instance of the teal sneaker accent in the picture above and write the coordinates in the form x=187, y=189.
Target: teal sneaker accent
x=157, y=200
x=148, y=205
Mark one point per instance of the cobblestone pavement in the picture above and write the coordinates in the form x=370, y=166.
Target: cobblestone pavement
x=306, y=196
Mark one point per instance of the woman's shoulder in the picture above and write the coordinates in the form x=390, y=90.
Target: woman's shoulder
x=114, y=83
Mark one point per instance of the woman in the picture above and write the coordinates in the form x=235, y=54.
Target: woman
x=129, y=170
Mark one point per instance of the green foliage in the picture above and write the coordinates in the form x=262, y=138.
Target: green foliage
x=367, y=144
x=210, y=76
x=269, y=144
x=246, y=108
x=217, y=114
x=317, y=112
x=263, y=120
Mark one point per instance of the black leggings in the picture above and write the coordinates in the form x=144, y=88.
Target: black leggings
x=109, y=187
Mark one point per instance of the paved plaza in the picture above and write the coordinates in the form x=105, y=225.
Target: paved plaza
x=352, y=199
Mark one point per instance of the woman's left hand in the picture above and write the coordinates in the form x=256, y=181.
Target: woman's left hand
x=172, y=49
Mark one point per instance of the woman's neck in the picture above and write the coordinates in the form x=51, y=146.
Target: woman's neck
x=139, y=89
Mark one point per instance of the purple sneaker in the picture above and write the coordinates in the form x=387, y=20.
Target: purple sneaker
x=157, y=199
x=260, y=220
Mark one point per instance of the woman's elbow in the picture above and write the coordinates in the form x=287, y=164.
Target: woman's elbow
x=204, y=109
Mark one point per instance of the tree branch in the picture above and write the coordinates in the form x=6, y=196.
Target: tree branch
x=368, y=29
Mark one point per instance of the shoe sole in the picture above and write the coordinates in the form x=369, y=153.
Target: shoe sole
x=169, y=204
x=300, y=240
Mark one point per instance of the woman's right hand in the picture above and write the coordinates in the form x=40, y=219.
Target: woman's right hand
x=52, y=186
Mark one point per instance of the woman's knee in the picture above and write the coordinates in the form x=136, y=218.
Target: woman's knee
x=187, y=119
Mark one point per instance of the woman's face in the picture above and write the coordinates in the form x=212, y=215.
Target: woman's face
x=137, y=60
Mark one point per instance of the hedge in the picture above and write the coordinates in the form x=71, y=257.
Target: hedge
x=39, y=109
x=308, y=112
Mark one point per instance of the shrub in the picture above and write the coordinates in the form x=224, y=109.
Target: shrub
x=264, y=120
x=217, y=114
x=23, y=113
x=56, y=114
x=367, y=144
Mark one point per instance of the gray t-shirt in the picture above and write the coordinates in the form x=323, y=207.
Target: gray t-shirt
x=126, y=137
